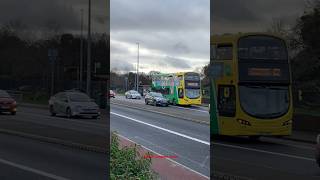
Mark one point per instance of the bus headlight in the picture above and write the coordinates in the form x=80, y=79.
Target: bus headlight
x=287, y=123
x=244, y=122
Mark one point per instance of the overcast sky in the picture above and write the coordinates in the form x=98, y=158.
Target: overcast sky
x=173, y=34
x=37, y=14
x=232, y=16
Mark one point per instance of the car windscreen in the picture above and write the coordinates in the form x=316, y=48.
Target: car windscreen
x=78, y=97
x=4, y=94
x=157, y=95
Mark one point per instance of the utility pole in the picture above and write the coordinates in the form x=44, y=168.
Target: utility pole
x=81, y=53
x=137, y=76
x=89, y=52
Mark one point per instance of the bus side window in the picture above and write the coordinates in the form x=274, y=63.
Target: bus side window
x=226, y=101
x=224, y=52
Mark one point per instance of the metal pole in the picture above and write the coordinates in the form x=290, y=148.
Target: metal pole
x=89, y=52
x=138, y=69
x=52, y=77
x=81, y=53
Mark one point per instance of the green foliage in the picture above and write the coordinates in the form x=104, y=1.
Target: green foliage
x=127, y=163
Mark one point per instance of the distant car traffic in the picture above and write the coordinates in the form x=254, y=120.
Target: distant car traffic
x=155, y=99
x=132, y=94
x=72, y=104
x=318, y=150
x=112, y=94
x=7, y=103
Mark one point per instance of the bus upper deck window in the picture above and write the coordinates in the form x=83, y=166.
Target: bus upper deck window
x=224, y=52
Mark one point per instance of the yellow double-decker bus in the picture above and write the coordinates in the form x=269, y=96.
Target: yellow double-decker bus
x=182, y=88
x=251, y=81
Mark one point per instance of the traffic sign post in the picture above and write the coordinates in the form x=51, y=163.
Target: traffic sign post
x=215, y=71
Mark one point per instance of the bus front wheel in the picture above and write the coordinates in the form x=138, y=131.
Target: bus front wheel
x=254, y=138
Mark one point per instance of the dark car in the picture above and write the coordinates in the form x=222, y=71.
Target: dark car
x=7, y=103
x=155, y=99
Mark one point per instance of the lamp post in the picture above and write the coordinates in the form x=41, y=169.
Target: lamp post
x=81, y=52
x=137, y=75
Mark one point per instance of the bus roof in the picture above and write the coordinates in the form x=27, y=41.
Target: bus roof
x=230, y=38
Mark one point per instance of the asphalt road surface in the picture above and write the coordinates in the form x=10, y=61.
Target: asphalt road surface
x=268, y=158
x=166, y=135
x=25, y=158
x=233, y=157
x=22, y=158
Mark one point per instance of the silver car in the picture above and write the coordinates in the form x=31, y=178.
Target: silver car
x=73, y=104
x=132, y=94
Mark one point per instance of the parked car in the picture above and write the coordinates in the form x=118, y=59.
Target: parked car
x=72, y=104
x=155, y=99
x=112, y=94
x=132, y=94
x=318, y=150
x=7, y=103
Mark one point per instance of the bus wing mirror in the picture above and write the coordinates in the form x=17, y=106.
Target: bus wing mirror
x=215, y=70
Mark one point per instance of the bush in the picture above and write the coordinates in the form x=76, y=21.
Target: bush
x=128, y=163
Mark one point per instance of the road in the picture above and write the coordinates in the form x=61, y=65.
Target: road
x=268, y=158
x=236, y=157
x=33, y=158
x=163, y=134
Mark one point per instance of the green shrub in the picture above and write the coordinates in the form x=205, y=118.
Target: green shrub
x=128, y=163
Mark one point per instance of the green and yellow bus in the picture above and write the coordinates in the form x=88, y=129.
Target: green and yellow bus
x=251, y=80
x=182, y=88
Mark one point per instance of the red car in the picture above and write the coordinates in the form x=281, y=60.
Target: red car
x=112, y=94
x=7, y=103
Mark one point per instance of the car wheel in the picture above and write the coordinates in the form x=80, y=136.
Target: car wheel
x=254, y=138
x=155, y=103
x=174, y=102
x=13, y=113
x=69, y=113
x=52, y=111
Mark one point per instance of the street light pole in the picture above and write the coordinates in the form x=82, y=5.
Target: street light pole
x=81, y=53
x=137, y=76
x=89, y=52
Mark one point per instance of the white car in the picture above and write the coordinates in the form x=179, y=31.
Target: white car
x=132, y=94
x=73, y=104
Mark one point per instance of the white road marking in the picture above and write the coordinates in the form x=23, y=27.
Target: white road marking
x=166, y=158
x=163, y=129
x=29, y=169
x=264, y=151
x=190, y=109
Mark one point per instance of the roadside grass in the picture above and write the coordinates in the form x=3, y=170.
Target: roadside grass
x=127, y=163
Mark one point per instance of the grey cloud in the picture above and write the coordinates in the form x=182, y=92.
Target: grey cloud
x=231, y=16
x=176, y=62
x=39, y=13
x=153, y=15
